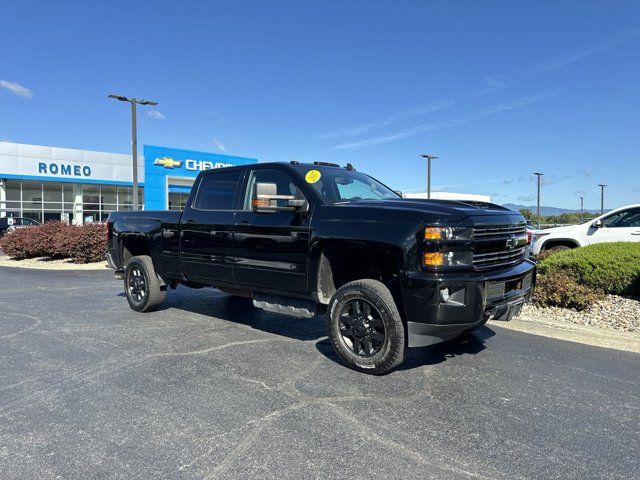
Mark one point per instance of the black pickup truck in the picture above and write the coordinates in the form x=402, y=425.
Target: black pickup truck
x=305, y=239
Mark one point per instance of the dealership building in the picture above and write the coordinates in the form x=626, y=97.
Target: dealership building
x=83, y=186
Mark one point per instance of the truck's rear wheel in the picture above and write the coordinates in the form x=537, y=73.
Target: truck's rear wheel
x=141, y=284
x=365, y=327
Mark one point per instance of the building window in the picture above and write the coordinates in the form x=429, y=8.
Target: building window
x=45, y=201
x=177, y=201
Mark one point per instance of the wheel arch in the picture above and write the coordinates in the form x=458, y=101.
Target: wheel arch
x=555, y=242
x=339, y=262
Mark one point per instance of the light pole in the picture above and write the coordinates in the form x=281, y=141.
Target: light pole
x=539, y=175
x=581, y=208
x=602, y=185
x=134, y=139
x=429, y=158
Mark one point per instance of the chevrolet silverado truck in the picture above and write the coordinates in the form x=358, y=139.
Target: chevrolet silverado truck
x=306, y=239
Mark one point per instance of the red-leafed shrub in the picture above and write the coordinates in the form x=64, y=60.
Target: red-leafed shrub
x=83, y=244
x=88, y=243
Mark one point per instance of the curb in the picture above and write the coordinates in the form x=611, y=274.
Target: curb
x=571, y=332
x=52, y=265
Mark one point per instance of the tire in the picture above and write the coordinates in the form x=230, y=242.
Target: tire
x=365, y=327
x=559, y=248
x=141, y=284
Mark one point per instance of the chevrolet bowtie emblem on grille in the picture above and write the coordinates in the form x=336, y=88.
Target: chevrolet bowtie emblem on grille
x=511, y=242
x=167, y=162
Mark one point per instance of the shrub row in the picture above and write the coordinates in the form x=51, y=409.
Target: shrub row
x=83, y=244
x=608, y=267
x=558, y=290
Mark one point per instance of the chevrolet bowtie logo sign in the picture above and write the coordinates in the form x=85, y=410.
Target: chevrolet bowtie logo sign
x=167, y=162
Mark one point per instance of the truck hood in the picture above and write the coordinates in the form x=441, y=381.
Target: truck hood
x=452, y=210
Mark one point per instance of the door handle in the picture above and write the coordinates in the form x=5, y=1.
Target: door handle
x=635, y=233
x=190, y=221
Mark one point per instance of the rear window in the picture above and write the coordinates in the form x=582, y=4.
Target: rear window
x=217, y=190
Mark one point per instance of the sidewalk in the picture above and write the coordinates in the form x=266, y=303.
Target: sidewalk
x=585, y=334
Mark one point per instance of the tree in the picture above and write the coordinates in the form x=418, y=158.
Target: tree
x=527, y=214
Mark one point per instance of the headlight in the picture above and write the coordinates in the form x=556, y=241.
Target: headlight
x=448, y=259
x=537, y=235
x=448, y=233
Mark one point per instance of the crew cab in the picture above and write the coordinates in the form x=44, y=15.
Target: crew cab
x=308, y=239
x=619, y=225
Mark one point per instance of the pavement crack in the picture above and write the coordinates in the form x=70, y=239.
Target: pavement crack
x=369, y=434
x=213, y=349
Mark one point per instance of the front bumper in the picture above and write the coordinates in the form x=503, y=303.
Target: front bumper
x=474, y=298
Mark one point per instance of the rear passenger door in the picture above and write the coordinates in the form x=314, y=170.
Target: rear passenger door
x=271, y=247
x=206, y=228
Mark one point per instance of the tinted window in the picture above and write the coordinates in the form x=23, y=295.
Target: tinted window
x=626, y=218
x=217, y=190
x=284, y=184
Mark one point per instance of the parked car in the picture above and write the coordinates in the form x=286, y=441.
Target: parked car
x=302, y=239
x=9, y=224
x=619, y=225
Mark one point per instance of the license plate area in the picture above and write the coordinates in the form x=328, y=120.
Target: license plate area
x=507, y=311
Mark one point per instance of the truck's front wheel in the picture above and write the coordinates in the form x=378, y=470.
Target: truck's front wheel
x=365, y=327
x=141, y=284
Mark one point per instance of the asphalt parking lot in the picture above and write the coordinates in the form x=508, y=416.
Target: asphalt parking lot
x=209, y=387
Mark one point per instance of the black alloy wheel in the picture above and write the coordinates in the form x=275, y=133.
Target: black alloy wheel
x=365, y=327
x=137, y=284
x=142, y=285
x=362, y=328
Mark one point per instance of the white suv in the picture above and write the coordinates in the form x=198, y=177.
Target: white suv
x=619, y=225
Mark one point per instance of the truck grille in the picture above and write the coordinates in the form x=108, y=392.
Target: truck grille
x=493, y=248
x=501, y=257
x=492, y=231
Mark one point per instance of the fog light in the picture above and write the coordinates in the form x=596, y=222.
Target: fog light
x=444, y=294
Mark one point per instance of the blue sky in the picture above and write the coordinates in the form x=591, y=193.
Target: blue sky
x=497, y=90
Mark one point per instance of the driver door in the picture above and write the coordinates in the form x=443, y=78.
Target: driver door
x=270, y=248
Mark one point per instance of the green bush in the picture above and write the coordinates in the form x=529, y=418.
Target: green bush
x=556, y=289
x=609, y=267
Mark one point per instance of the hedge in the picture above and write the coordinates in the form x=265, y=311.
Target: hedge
x=556, y=289
x=608, y=267
x=82, y=244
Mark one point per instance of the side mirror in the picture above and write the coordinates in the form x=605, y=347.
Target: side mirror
x=399, y=193
x=597, y=224
x=266, y=200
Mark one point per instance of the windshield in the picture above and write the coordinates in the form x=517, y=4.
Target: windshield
x=336, y=185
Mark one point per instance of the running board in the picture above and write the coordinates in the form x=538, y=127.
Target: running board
x=294, y=307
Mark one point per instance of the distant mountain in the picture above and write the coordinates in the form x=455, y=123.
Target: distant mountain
x=546, y=211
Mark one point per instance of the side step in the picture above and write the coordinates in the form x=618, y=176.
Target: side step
x=294, y=307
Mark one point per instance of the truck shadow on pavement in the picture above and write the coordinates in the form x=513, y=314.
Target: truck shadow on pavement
x=432, y=355
x=220, y=306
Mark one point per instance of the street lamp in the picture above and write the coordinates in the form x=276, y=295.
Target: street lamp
x=539, y=175
x=602, y=185
x=429, y=158
x=134, y=139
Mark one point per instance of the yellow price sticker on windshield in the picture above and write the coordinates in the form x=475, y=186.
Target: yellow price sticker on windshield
x=312, y=176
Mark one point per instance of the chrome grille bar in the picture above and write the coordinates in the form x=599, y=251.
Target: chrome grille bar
x=488, y=231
